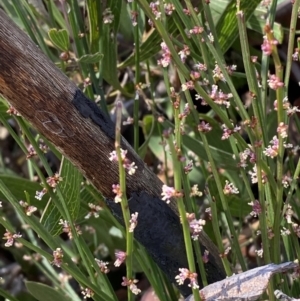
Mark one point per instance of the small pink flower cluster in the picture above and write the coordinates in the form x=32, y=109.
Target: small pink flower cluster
x=10, y=238
x=256, y=208
x=273, y=148
x=220, y=97
x=196, y=226
x=155, y=9
x=184, y=53
x=87, y=293
x=94, y=211
x=116, y=189
x=12, y=111
x=204, y=127
x=120, y=257
x=229, y=188
x=268, y=45
x=166, y=56
x=186, y=274
x=287, y=106
x=67, y=228
x=253, y=175
x=28, y=209
x=169, y=8
x=247, y=153
x=274, y=82
x=40, y=194
x=102, y=266
x=54, y=180
x=133, y=221
x=127, y=164
x=57, y=257
x=131, y=283
x=169, y=192
x=228, y=132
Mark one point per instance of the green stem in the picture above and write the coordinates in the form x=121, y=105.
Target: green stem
x=224, y=203
x=218, y=236
x=124, y=202
x=294, y=19
x=176, y=152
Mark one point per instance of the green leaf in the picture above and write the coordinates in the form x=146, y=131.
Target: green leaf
x=91, y=58
x=18, y=185
x=222, y=158
x=237, y=205
x=257, y=24
x=154, y=139
x=149, y=125
x=59, y=38
x=227, y=27
x=115, y=7
x=44, y=292
x=70, y=188
x=4, y=108
x=109, y=62
x=150, y=46
x=220, y=149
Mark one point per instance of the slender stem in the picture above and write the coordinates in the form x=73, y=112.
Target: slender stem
x=224, y=203
x=176, y=153
x=124, y=201
x=218, y=236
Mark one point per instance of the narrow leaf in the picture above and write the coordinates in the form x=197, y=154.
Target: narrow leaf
x=227, y=27
x=70, y=188
x=44, y=292
x=91, y=58
x=18, y=185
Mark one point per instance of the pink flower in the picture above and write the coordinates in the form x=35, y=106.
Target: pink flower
x=184, y=53
x=219, y=97
x=196, y=30
x=230, y=188
x=256, y=208
x=87, y=293
x=40, y=194
x=131, y=283
x=205, y=256
x=94, y=211
x=28, y=209
x=268, y=45
x=54, y=180
x=282, y=130
x=155, y=9
x=127, y=164
x=204, y=127
x=10, y=238
x=57, y=257
x=169, y=8
x=196, y=226
x=120, y=257
x=166, y=56
x=102, y=265
x=133, y=221
x=67, y=228
x=186, y=274
x=116, y=189
x=274, y=82
x=272, y=149
x=167, y=193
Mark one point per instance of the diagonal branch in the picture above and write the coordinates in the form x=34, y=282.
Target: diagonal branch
x=77, y=127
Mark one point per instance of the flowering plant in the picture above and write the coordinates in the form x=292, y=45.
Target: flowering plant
x=210, y=110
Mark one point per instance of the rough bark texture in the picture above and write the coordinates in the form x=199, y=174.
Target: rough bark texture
x=77, y=127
